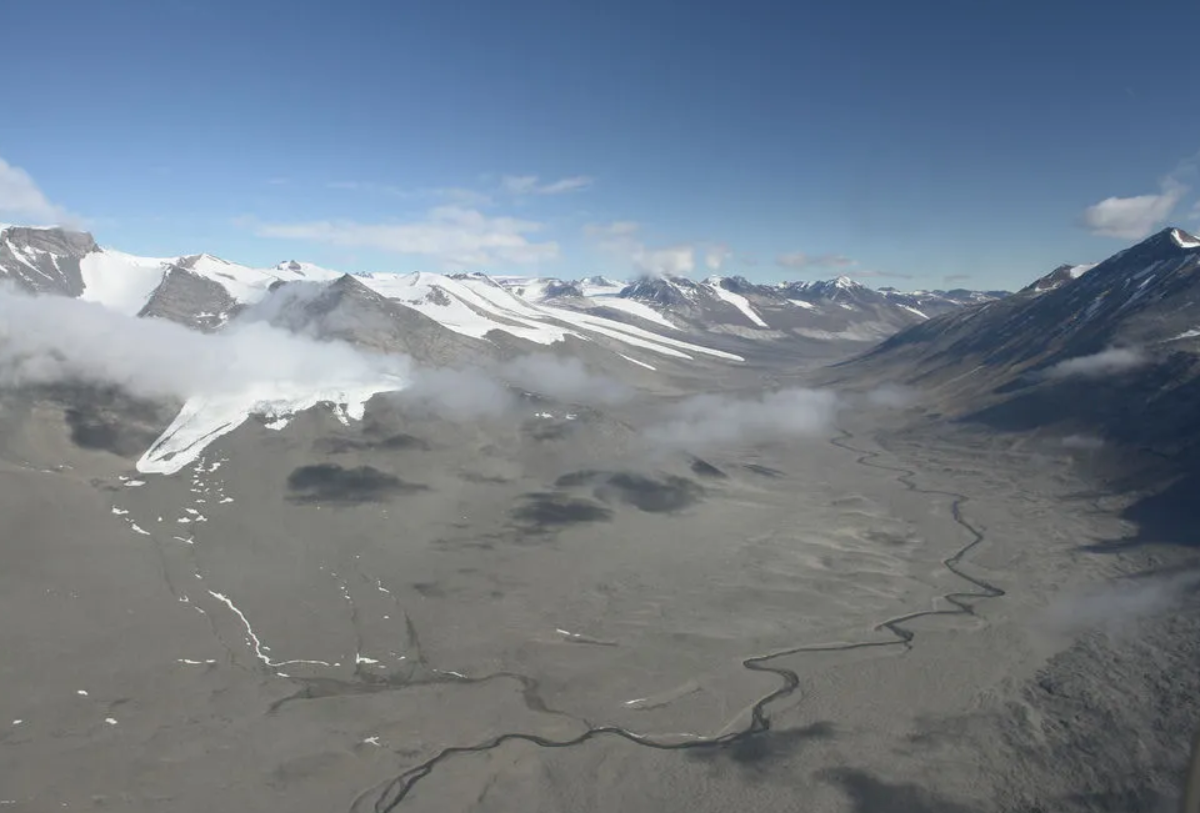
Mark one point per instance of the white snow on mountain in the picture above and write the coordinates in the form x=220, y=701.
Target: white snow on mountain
x=119, y=281
x=467, y=307
x=600, y=286
x=1184, y=240
x=737, y=300
x=634, y=308
x=204, y=418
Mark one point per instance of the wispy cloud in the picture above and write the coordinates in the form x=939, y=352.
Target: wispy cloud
x=671, y=261
x=1099, y=365
x=1136, y=217
x=798, y=259
x=51, y=339
x=716, y=256
x=462, y=196
x=451, y=235
x=869, y=273
x=956, y=277
x=21, y=199
x=368, y=186
x=1116, y=607
x=614, y=230
x=714, y=421
x=621, y=239
x=521, y=185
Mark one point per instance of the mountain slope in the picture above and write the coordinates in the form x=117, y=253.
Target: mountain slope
x=1107, y=358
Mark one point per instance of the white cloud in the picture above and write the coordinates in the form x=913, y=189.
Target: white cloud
x=620, y=238
x=49, y=339
x=614, y=230
x=716, y=256
x=1098, y=365
x=1136, y=217
x=1082, y=442
x=1116, y=607
x=798, y=259
x=563, y=378
x=532, y=185
x=714, y=421
x=452, y=235
x=875, y=273
x=672, y=261
x=21, y=199
x=462, y=196
x=368, y=186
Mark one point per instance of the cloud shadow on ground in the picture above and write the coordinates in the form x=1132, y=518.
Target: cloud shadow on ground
x=331, y=483
x=543, y=512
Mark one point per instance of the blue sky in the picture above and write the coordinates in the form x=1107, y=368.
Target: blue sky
x=916, y=144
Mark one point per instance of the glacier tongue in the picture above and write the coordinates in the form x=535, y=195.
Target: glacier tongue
x=204, y=418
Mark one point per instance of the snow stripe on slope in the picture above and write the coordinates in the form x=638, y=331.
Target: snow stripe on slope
x=738, y=301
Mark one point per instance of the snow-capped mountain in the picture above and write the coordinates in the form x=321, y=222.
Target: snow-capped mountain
x=721, y=317
x=839, y=309
x=387, y=312
x=1057, y=278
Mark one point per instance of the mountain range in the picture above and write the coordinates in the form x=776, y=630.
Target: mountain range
x=653, y=314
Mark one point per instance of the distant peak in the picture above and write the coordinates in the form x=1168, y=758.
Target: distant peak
x=1183, y=239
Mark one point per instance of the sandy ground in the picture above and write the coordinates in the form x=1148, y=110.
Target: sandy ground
x=538, y=614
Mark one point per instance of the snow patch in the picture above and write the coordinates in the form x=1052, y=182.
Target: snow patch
x=738, y=301
x=634, y=308
x=1184, y=240
x=260, y=651
x=635, y=361
x=204, y=418
x=119, y=281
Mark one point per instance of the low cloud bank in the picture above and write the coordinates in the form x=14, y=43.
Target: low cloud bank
x=51, y=339
x=1086, y=442
x=45, y=340
x=564, y=378
x=1099, y=365
x=714, y=420
x=1116, y=607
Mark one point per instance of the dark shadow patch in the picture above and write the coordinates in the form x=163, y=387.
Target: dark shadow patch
x=88, y=432
x=885, y=538
x=760, y=752
x=331, y=483
x=664, y=496
x=476, y=477
x=107, y=420
x=702, y=468
x=765, y=471
x=575, y=479
x=429, y=589
x=543, y=512
x=871, y=795
x=1170, y=517
x=393, y=443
